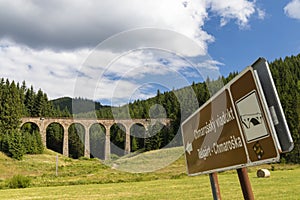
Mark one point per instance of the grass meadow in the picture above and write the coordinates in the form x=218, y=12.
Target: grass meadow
x=89, y=179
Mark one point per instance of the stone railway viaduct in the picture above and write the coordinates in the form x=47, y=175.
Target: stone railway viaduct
x=43, y=123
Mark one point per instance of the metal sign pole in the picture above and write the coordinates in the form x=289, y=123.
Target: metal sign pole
x=245, y=184
x=214, y=183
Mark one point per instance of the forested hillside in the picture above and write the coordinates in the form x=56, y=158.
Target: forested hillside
x=18, y=100
x=76, y=105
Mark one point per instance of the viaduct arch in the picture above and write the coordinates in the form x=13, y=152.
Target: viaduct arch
x=43, y=123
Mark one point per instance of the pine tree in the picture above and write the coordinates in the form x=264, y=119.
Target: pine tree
x=12, y=144
x=11, y=108
x=39, y=102
x=29, y=101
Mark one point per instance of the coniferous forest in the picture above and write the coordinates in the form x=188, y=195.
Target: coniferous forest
x=18, y=100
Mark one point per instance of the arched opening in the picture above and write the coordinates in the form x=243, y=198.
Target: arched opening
x=30, y=127
x=55, y=137
x=118, y=137
x=32, y=138
x=158, y=136
x=97, y=141
x=76, y=140
x=137, y=137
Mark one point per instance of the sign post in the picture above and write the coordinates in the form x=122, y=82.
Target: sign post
x=237, y=128
x=214, y=183
x=245, y=184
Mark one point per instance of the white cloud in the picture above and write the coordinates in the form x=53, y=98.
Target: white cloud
x=261, y=13
x=73, y=24
x=239, y=10
x=131, y=74
x=53, y=72
x=292, y=9
x=76, y=24
x=46, y=43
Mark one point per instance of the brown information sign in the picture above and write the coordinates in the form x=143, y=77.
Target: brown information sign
x=231, y=130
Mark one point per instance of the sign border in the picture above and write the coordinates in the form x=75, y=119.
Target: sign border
x=267, y=85
x=269, y=123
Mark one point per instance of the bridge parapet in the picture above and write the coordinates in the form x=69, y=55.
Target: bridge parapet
x=88, y=122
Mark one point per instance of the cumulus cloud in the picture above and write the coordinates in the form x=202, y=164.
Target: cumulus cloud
x=238, y=10
x=53, y=72
x=292, y=9
x=73, y=24
x=46, y=43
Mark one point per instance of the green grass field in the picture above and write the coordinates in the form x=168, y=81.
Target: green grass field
x=89, y=179
x=281, y=185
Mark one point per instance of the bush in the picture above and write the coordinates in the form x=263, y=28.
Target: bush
x=19, y=181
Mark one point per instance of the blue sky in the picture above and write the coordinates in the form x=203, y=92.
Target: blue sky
x=274, y=36
x=116, y=52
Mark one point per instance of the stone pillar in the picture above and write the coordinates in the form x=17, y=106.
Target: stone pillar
x=107, y=144
x=43, y=137
x=66, y=141
x=43, y=132
x=87, y=148
x=127, y=141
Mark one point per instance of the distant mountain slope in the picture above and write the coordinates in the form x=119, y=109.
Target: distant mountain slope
x=77, y=105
